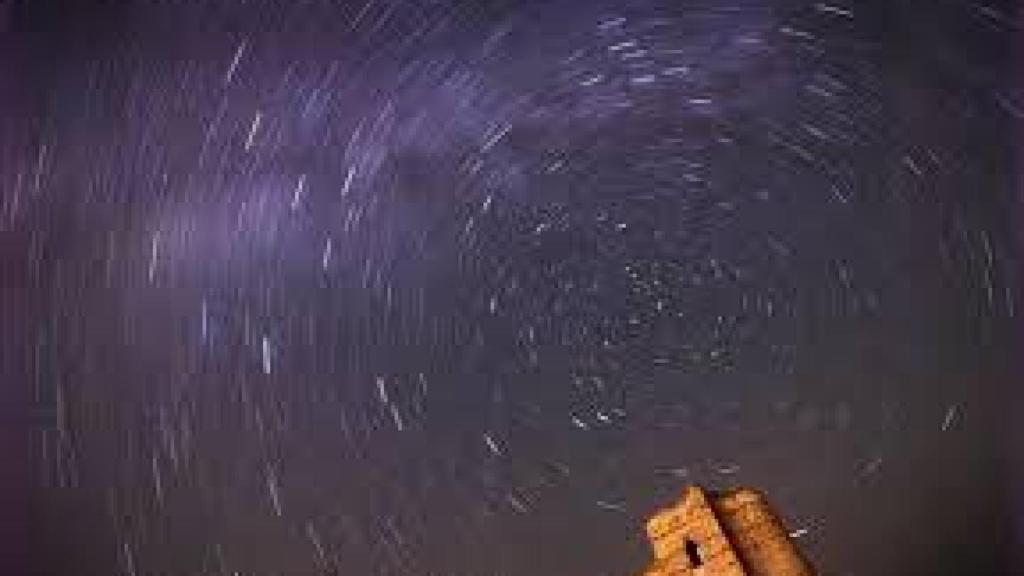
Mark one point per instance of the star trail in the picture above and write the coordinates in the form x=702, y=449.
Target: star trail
x=471, y=288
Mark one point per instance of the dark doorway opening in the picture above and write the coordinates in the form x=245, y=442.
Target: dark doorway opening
x=693, y=553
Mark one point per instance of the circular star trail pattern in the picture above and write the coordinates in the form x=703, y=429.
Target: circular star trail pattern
x=467, y=288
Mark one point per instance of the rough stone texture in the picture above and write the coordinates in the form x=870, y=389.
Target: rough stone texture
x=729, y=534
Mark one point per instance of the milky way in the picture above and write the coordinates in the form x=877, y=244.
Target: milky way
x=468, y=288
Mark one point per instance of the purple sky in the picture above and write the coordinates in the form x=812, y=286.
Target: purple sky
x=466, y=288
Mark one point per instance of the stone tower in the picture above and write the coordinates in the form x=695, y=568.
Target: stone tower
x=728, y=534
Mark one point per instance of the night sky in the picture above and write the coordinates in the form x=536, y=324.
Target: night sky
x=471, y=288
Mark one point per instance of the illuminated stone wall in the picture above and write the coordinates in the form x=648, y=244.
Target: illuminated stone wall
x=731, y=534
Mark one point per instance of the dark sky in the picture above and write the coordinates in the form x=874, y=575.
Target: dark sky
x=471, y=288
